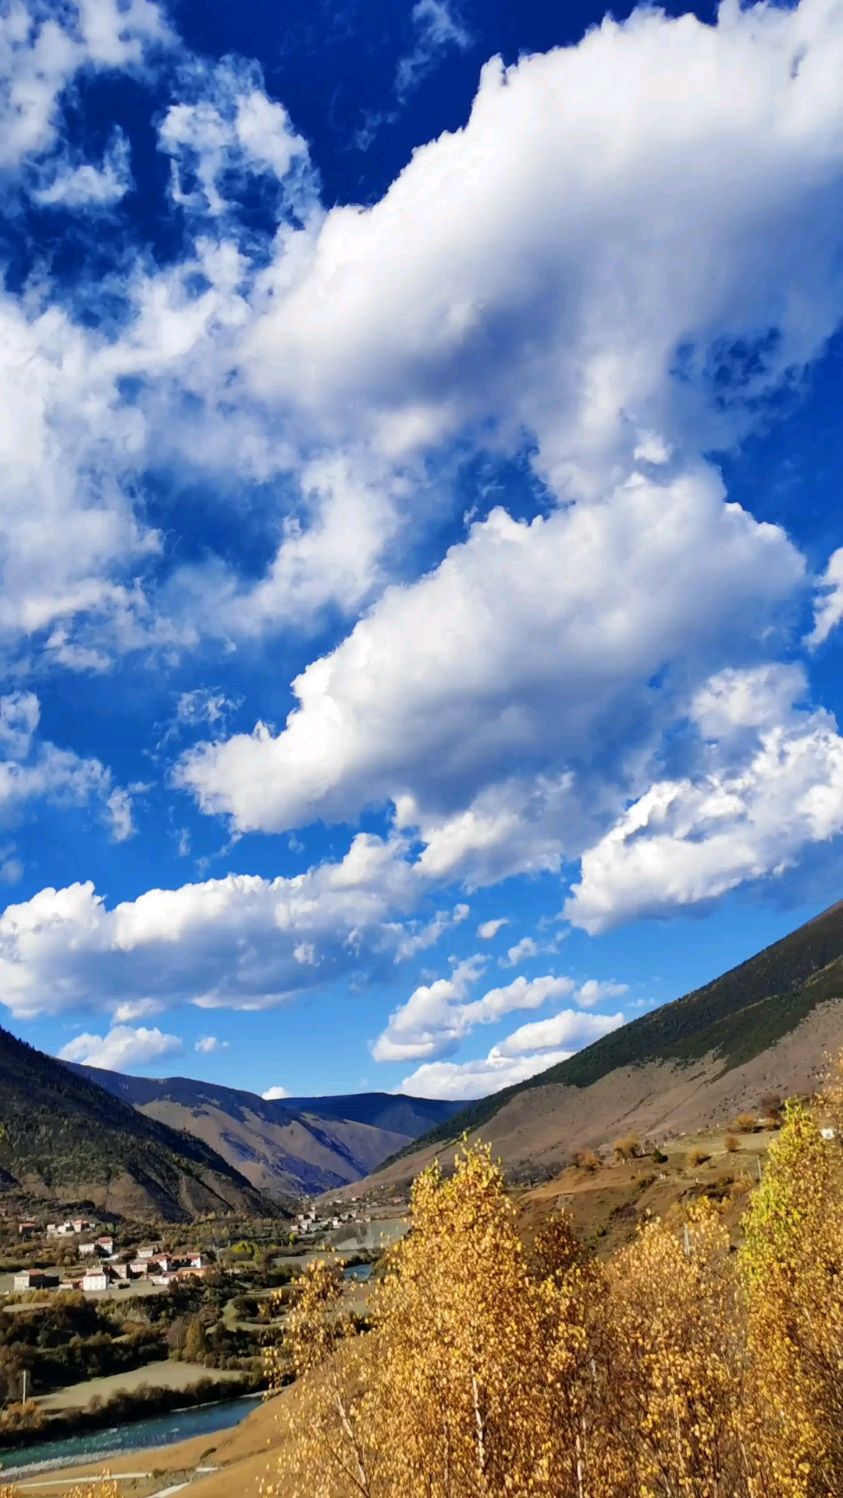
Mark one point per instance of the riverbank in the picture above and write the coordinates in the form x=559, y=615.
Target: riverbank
x=133, y=1415
x=241, y=1448
x=143, y=1442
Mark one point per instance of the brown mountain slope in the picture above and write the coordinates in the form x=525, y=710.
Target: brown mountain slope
x=766, y=1025
x=285, y=1146
x=290, y=1155
x=64, y=1140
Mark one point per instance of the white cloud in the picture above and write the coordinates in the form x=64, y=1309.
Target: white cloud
x=11, y=867
x=541, y=302
x=523, y=949
x=463, y=1080
x=527, y=1051
x=20, y=714
x=240, y=942
x=125, y=1013
x=537, y=643
x=33, y=769
x=83, y=185
x=438, y=1015
x=568, y=1029
x=420, y=937
x=596, y=307
x=595, y=991
x=272, y=1094
x=44, y=47
x=225, y=128
x=438, y=29
x=828, y=610
x=203, y=705
x=120, y=1048
x=750, y=810
x=488, y=929
x=209, y=1043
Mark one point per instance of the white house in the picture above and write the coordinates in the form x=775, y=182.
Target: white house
x=95, y=1279
x=35, y=1279
x=87, y=1249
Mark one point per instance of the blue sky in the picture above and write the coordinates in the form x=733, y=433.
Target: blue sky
x=421, y=557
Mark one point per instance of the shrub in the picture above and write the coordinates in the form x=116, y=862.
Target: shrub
x=626, y=1149
x=746, y=1123
x=698, y=1157
x=731, y=1144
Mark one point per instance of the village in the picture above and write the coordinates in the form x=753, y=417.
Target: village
x=110, y=1265
x=94, y=1260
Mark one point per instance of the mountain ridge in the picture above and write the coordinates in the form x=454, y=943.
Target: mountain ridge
x=283, y=1146
x=726, y=1025
x=65, y=1139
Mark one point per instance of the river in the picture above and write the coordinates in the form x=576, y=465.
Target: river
x=155, y=1430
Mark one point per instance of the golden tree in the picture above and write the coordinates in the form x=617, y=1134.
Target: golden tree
x=672, y=1375
x=329, y=1451
x=478, y=1368
x=676, y=1370
x=791, y=1263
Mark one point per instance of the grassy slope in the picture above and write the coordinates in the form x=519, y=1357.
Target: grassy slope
x=738, y=1016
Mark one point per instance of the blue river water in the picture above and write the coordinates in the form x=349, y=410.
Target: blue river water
x=358, y=1272
x=155, y=1430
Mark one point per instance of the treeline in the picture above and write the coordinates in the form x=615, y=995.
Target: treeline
x=28, y=1421
x=66, y=1342
x=681, y=1368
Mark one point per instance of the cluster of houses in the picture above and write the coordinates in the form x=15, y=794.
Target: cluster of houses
x=307, y=1222
x=149, y=1263
x=110, y=1267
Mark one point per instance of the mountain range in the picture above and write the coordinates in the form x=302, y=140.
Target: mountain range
x=282, y=1147
x=66, y=1141
x=180, y=1148
x=766, y=1026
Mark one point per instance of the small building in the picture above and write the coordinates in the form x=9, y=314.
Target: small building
x=138, y=1267
x=148, y=1250
x=161, y=1264
x=35, y=1279
x=27, y=1228
x=81, y=1224
x=164, y=1277
x=95, y=1279
x=105, y=1244
x=87, y=1250
x=197, y=1261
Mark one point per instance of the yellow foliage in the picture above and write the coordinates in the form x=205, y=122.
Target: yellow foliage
x=678, y=1370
